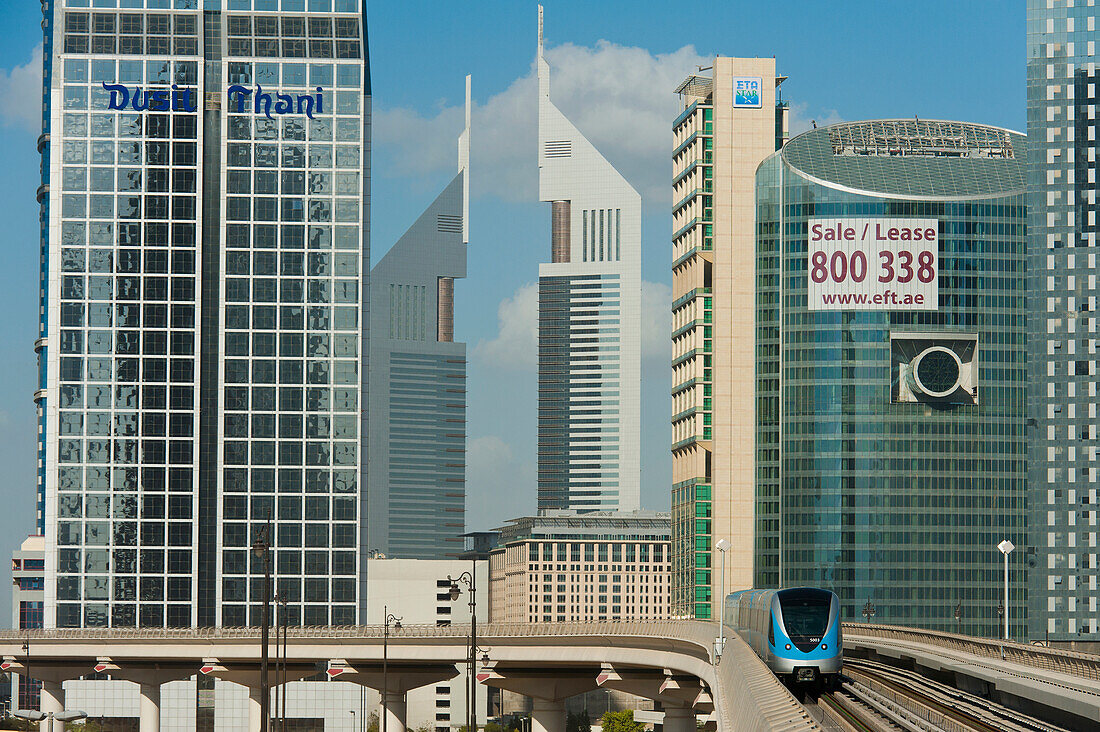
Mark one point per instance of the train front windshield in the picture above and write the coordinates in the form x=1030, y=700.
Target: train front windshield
x=806, y=615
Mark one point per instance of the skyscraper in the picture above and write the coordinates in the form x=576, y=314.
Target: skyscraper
x=589, y=322
x=417, y=480
x=1062, y=208
x=204, y=321
x=891, y=361
x=730, y=122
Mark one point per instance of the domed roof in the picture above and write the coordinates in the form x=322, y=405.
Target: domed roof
x=912, y=159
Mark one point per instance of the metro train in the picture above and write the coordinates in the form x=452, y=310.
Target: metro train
x=796, y=631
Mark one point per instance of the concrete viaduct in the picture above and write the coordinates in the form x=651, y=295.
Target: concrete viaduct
x=669, y=661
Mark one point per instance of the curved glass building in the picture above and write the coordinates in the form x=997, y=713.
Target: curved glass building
x=891, y=370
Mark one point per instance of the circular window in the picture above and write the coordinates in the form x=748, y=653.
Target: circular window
x=937, y=371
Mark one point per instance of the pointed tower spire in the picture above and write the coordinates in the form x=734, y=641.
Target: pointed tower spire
x=543, y=67
x=540, y=31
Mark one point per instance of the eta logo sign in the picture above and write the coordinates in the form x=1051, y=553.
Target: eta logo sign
x=183, y=100
x=746, y=91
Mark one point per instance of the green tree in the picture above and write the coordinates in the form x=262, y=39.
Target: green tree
x=578, y=722
x=620, y=722
x=372, y=722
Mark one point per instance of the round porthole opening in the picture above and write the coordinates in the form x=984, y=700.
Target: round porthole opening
x=936, y=371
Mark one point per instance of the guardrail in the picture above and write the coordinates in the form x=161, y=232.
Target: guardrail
x=1073, y=663
x=752, y=697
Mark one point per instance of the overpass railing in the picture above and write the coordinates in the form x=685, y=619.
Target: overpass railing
x=685, y=630
x=1072, y=663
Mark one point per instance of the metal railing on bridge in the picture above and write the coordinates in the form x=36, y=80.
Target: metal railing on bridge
x=1073, y=663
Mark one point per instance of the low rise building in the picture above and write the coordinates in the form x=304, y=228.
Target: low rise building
x=563, y=566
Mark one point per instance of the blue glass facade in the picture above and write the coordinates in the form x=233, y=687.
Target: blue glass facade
x=890, y=503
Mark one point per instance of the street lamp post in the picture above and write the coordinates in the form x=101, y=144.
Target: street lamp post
x=286, y=632
x=396, y=621
x=468, y=579
x=959, y=616
x=1006, y=548
x=868, y=610
x=261, y=549
x=718, y=603
x=281, y=623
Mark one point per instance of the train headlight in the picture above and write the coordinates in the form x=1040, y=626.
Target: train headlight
x=788, y=646
x=824, y=646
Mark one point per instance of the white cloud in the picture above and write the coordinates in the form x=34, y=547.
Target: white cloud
x=21, y=94
x=799, y=119
x=515, y=346
x=656, y=321
x=500, y=486
x=516, y=343
x=621, y=98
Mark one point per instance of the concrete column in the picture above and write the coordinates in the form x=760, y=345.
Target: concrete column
x=53, y=700
x=253, y=709
x=394, y=708
x=149, y=715
x=679, y=719
x=548, y=716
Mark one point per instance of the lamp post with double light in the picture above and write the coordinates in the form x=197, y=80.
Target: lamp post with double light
x=868, y=610
x=36, y=716
x=718, y=603
x=390, y=619
x=261, y=548
x=1006, y=548
x=467, y=578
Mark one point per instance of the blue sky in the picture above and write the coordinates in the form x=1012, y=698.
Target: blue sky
x=614, y=67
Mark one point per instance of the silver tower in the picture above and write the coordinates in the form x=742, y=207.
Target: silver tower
x=417, y=475
x=1063, y=562
x=589, y=322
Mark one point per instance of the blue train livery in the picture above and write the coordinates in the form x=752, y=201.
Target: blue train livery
x=795, y=631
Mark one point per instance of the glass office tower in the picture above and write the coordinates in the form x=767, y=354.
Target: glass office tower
x=891, y=447
x=204, y=272
x=1061, y=128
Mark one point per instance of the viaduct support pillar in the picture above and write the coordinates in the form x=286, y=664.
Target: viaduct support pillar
x=149, y=714
x=394, y=708
x=254, y=718
x=679, y=719
x=548, y=716
x=53, y=700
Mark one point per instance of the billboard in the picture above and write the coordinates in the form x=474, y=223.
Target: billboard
x=746, y=91
x=872, y=264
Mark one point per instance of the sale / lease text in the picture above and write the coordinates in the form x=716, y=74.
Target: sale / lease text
x=873, y=264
